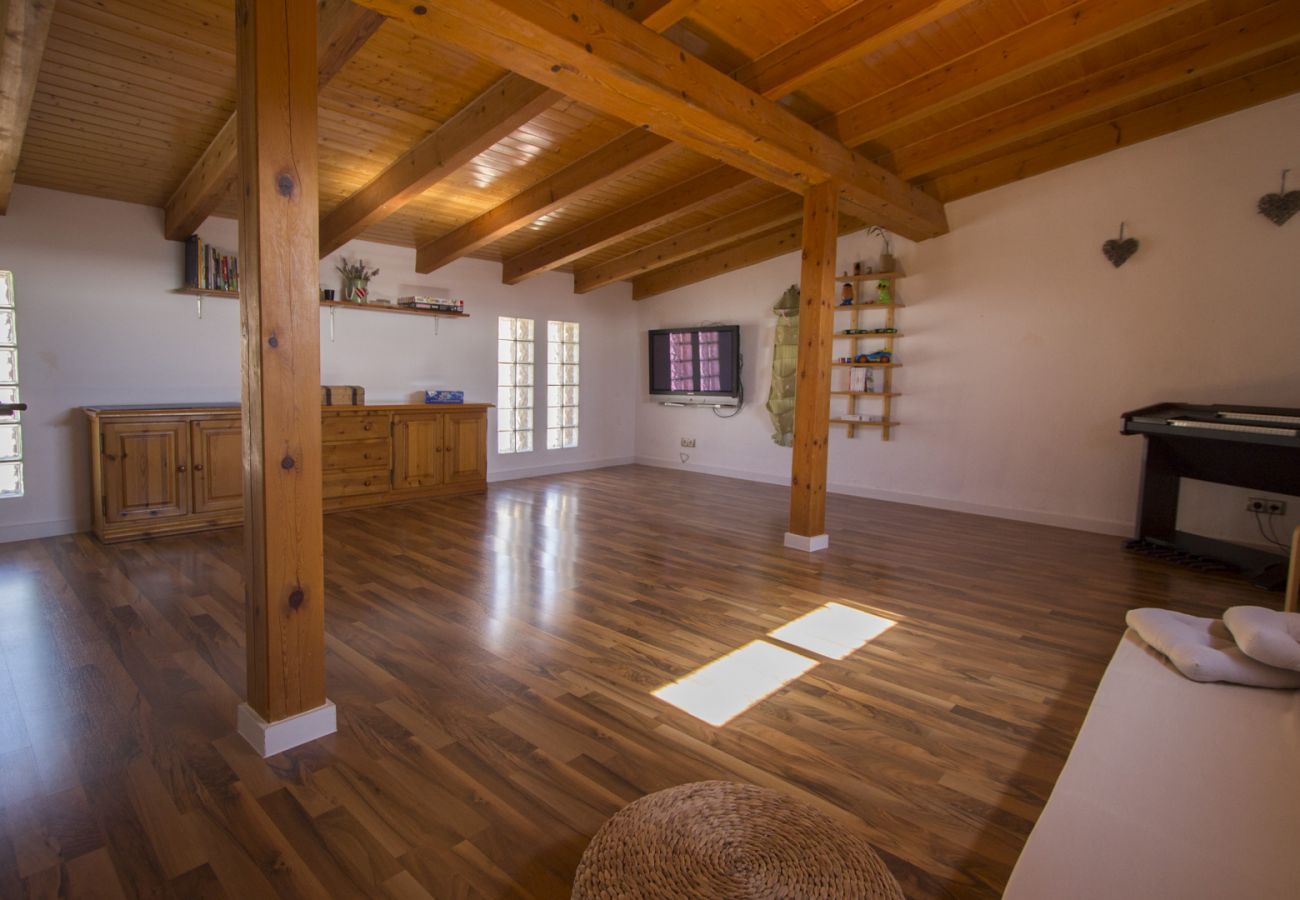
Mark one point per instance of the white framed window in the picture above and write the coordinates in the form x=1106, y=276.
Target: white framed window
x=11, y=428
x=514, y=385
x=561, y=385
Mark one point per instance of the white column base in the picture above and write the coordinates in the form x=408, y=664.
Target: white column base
x=270, y=738
x=805, y=543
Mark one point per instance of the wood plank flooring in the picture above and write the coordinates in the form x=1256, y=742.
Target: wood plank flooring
x=493, y=659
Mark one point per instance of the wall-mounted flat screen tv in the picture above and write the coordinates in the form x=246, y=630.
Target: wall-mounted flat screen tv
x=695, y=364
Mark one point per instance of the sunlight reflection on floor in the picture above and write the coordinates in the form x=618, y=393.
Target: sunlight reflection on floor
x=833, y=630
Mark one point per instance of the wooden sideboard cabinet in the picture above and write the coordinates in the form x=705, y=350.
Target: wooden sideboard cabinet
x=159, y=470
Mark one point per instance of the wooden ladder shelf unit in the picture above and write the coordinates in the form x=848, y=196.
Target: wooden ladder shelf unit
x=883, y=392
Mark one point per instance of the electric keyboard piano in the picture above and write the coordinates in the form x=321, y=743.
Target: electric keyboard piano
x=1255, y=447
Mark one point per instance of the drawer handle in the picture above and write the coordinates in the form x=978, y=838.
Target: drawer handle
x=367, y=426
x=181, y=467
x=198, y=467
x=366, y=483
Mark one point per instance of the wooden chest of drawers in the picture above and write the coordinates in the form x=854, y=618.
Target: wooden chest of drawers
x=168, y=470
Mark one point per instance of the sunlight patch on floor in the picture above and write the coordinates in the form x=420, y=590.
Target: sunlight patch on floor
x=723, y=689
x=833, y=630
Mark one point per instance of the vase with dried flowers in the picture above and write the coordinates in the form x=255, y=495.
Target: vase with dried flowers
x=356, y=279
x=887, y=254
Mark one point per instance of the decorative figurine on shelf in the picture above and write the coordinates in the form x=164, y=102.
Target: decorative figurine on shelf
x=882, y=293
x=880, y=356
x=846, y=295
x=356, y=279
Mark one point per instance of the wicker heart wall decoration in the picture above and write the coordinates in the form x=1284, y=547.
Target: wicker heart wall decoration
x=1119, y=251
x=1280, y=207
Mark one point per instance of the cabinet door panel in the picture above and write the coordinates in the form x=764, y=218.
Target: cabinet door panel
x=417, y=450
x=145, y=470
x=217, y=449
x=466, y=443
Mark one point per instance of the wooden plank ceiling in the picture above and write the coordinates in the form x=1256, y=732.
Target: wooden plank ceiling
x=426, y=145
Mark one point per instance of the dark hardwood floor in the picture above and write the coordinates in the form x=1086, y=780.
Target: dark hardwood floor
x=493, y=659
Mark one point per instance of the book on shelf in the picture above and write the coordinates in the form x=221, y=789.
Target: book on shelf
x=209, y=269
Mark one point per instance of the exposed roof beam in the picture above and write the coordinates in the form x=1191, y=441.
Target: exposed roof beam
x=1261, y=86
x=608, y=163
x=1229, y=43
x=1028, y=50
x=600, y=57
x=747, y=222
x=1044, y=43
x=342, y=29
x=853, y=32
x=786, y=239
x=22, y=44
x=859, y=29
x=486, y=120
x=629, y=221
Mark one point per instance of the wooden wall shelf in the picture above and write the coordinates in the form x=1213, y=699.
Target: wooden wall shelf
x=336, y=304
x=882, y=395
x=872, y=276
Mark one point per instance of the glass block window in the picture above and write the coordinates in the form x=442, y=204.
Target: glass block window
x=561, y=385
x=514, y=385
x=11, y=428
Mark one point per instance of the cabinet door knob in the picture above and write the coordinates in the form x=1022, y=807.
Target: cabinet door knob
x=110, y=457
x=181, y=467
x=198, y=467
x=367, y=426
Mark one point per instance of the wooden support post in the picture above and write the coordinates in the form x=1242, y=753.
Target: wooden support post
x=813, y=381
x=280, y=314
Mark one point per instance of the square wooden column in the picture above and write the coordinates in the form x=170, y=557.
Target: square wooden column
x=280, y=315
x=813, y=380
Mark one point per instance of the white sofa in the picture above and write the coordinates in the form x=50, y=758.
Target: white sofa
x=1173, y=789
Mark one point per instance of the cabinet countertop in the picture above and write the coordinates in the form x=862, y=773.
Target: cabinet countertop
x=159, y=409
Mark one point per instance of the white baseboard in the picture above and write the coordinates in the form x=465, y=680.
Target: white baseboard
x=559, y=468
x=806, y=543
x=1037, y=517
x=270, y=738
x=27, y=531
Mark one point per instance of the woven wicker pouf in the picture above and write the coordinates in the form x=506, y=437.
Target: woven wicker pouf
x=720, y=839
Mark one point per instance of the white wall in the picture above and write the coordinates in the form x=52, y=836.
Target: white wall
x=1024, y=345
x=98, y=324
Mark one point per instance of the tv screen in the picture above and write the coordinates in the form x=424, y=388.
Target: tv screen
x=696, y=361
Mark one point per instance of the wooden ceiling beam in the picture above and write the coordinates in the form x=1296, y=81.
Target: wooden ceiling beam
x=1229, y=43
x=860, y=29
x=485, y=121
x=756, y=219
x=1261, y=86
x=1046, y=42
x=778, y=242
x=852, y=33
x=598, y=56
x=602, y=166
x=630, y=221
x=22, y=44
x=342, y=29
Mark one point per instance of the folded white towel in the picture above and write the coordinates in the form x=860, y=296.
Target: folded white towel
x=1202, y=649
x=1270, y=636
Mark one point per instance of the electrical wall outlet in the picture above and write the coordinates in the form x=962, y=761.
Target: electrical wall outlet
x=1266, y=506
x=688, y=442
